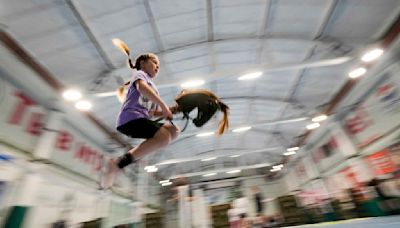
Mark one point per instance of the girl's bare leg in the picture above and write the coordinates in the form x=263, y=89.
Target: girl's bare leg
x=166, y=134
x=161, y=139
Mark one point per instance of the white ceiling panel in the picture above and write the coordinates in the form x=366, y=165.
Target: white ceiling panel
x=246, y=22
x=364, y=21
x=306, y=17
x=72, y=37
x=321, y=81
x=167, y=8
x=71, y=66
x=39, y=21
x=98, y=8
x=122, y=20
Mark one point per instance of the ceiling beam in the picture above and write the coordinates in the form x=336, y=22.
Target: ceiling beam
x=90, y=35
x=329, y=10
x=266, y=18
x=210, y=21
x=154, y=26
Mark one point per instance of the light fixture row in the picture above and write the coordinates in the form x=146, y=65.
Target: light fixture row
x=76, y=95
x=199, y=82
x=366, y=58
x=276, y=168
x=168, y=182
x=237, y=130
x=228, y=172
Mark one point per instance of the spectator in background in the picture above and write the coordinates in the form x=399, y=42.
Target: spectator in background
x=233, y=216
x=241, y=205
x=258, y=200
x=356, y=198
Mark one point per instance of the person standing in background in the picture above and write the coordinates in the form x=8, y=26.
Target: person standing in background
x=241, y=205
x=258, y=200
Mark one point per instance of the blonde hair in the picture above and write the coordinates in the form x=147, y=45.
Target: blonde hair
x=143, y=57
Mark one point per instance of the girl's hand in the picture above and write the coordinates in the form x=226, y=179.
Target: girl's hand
x=174, y=109
x=167, y=114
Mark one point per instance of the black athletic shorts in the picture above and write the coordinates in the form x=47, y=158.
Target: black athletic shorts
x=140, y=128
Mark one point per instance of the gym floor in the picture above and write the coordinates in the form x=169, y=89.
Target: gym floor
x=382, y=222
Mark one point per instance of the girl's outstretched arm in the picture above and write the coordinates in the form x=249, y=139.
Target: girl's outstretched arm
x=149, y=93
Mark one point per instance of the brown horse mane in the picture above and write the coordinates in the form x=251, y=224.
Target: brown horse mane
x=224, y=123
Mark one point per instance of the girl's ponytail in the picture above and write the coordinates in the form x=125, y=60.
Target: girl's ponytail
x=121, y=92
x=124, y=48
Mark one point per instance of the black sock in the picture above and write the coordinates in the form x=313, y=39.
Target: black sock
x=125, y=160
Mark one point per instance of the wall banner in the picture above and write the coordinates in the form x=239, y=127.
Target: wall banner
x=379, y=113
x=21, y=118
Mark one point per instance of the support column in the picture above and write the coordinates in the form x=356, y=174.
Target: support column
x=184, y=210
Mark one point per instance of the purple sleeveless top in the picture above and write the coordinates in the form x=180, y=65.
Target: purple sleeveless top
x=136, y=105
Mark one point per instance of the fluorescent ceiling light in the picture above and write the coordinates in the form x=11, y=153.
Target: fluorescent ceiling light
x=357, y=72
x=277, y=166
x=152, y=170
x=209, y=159
x=83, y=105
x=319, y=118
x=372, y=55
x=234, y=171
x=205, y=134
x=313, y=126
x=241, y=129
x=250, y=76
x=72, y=95
x=292, y=148
x=150, y=167
x=166, y=184
x=209, y=174
x=274, y=170
x=191, y=84
x=164, y=181
x=289, y=153
x=106, y=94
x=235, y=156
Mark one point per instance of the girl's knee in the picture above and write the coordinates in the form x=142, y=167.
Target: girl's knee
x=164, y=136
x=173, y=131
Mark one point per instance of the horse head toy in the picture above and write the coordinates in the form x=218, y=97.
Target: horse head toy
x=207, y=104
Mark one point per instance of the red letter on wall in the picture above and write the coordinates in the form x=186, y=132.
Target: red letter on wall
x=20, y=108
x=35, y=124
x=64, y=140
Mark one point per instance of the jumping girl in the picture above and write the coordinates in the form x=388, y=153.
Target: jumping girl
x=141, y=102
